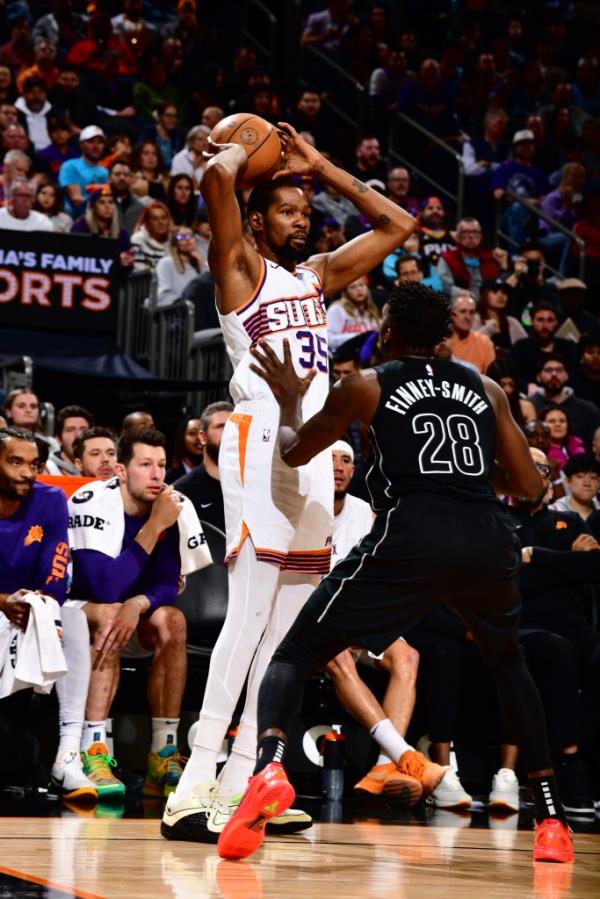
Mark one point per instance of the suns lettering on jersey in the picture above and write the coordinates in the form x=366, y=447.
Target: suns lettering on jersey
x=304, y=312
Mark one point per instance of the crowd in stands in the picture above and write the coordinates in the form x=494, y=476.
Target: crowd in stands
x=105, y=112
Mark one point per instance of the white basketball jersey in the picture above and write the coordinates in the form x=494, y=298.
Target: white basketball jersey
x=284, y=304
x=349, y=527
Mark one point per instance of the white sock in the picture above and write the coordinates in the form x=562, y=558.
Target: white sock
x=69, y=737
x=93, y=732
x=389, y=739
x=383, y=759
x=233, y=779
x=164, y=733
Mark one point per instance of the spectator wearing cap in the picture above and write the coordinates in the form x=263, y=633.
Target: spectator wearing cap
x=18, y=215
x=583, y=417
x=101, y=219
x=585, y=379
x=519, y=176
x=434, y=235
x=190, y=160
x=582, y=474
x=491, y=318
x=76, y=174
x=44, y=66
x=465, y=343
x=35, y=109
x=468, y=265
x=575, y=319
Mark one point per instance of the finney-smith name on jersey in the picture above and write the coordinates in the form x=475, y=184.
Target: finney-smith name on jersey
x=411, y=392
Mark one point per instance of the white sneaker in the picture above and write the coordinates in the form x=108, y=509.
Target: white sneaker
x=450, y=793
x=504, y=795
x=67, y=774
x=188, y=817
x=292, y=821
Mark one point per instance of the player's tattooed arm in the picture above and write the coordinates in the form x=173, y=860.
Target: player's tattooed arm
x=360, y=187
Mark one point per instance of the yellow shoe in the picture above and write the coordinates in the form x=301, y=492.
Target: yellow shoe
x=165, y=767
x=388, y=779
x=416, y=765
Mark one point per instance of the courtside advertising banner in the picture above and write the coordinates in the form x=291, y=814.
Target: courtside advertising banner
x=58, y=282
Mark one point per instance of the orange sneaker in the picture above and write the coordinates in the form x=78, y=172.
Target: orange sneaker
x=387, y=779
x=553, y=842
x=416, y=765
x=268, y=794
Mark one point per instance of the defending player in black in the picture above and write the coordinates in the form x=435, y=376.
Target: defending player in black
x=444, y=442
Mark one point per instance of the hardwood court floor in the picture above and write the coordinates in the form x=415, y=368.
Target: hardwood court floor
x=123, y=859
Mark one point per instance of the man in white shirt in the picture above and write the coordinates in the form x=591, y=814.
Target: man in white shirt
x=17, y=215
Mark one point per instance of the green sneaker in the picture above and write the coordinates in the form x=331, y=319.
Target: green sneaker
x=163, y=772
x=97, y=762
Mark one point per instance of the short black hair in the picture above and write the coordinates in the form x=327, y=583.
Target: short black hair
x=552, y=357
x=410, y=257
x=263, y=194
x=543, y=306
x=583, y=463
x=127, y=441
x=16, y=433
x=347, y=352
x=586, y=341
x=422, y=316
x=73, y=412
x=89, y=434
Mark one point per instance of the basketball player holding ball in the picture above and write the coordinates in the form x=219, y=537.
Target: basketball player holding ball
x=278, y=519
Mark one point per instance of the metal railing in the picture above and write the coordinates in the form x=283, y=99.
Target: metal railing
x=395, y=153
x=344, y=96
x=171, y=341
x=259, y=29
x=133, y=323
x=210, y=363
x=543, y=216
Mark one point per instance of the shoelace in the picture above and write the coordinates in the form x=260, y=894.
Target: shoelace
x=96, y=761
x=413, y=765
x=175, y=765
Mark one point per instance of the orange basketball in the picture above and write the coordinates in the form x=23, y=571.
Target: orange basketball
x=258, y=138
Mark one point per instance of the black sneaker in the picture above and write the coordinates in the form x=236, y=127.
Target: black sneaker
x=189, y=817
x=574, y=787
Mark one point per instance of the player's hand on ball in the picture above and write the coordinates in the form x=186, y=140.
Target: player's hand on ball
x=299, y=158
x=234, y=150
x=280, y=376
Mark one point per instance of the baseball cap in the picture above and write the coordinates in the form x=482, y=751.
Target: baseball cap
x=340, y=446
x=91, y=131
x=572, y=284
x=525, y=134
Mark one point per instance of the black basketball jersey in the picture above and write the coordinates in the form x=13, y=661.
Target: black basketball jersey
x=434, y=431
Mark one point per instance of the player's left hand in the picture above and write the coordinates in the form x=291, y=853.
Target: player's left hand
x=280, y=376
x=299, y=157
x=117, y=634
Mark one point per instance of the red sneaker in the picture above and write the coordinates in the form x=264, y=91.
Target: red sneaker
x=553, y=842
x=268, y=794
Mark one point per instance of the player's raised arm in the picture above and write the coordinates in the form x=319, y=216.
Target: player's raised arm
x=352, y=398
x=391, y=224
x=235, y=265
x=517, y=475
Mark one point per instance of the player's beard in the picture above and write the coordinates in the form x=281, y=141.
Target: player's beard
x=8, y=489
x=339, y=494
x=212, y=451
x=290, y=253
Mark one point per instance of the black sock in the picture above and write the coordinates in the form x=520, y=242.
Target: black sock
x=546, y=799
x=270, y=749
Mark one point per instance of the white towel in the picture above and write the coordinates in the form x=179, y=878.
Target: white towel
x=97, y=521
x=34, y=657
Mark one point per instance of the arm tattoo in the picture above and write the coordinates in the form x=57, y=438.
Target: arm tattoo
x=361, y=188
x=384, y=220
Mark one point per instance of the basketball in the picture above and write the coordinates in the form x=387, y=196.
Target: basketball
x=258, y=138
